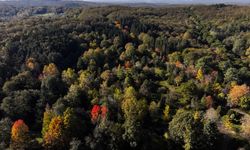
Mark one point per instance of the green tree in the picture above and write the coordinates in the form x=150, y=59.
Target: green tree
x=134, y=111
x=129, y=50
x=69, y=76
x=5, y=132
x=231, y=74
x=20, y=104
x=187, y=91
x=183, y=128
x=52, y=88
x=22, y=81
x=239, y=46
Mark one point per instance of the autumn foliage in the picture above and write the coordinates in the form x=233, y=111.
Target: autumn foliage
x=31, y=63
x=19, y=134
x=237, y=92
x=104, y=111
x=114, y=78
x=50, y=69
x=98, y=111
x=199, y=75
x=54, y=136
x=128, y=64
x=19, y=131
x=47, y=116
x=59, y=129
x=209, y=101
x=178, y=64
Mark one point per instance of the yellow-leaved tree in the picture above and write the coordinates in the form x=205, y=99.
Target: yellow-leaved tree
x=69, y=76
x=200, y=75
x=50, y=69
x=47, y=117
x=54, y=138
x=59, y=130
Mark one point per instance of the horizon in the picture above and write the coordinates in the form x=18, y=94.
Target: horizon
x=144, y=1
x=169, y=1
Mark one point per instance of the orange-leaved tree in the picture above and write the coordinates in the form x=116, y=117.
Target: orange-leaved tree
x=237, y=92
x=19, y=135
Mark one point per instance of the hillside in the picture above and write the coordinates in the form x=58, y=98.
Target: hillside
x=119, y=77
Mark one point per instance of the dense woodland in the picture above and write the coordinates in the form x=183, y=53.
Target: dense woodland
x=119, y=78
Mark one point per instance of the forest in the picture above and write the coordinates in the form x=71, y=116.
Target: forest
x=121, y=78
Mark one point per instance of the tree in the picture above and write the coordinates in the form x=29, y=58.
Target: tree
x=146, y=39
x=50, y=69
x=85, y=79
x=239, y=46
x=174, y=57
x=205, y=63
x=154, y=110
x=166, y=113
x=107, y=75
x=237, y=93
x=200, y=75
x=231, y=75
x=142, y=48
x=47, y=117
x=184, y=128
x=106, y=135
x=182, y=122
x=20, y=104
x=19, y=135
x=145, y=88
x=62, y=129
x=187, y=35
x=212, y=135
x=248, y=52
x=129, y=50
x=5, y=132
x=54, y=137
x=117, y=41
x=161, y=45
x=245, y=102
x=32, y=64
x=72, y=124
x=76, y=96
x=22, y=81
x=98, y=112
x=51, y=88
x=75, y=144
x=187, y=91
x=69, y=76
x=134, y=111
